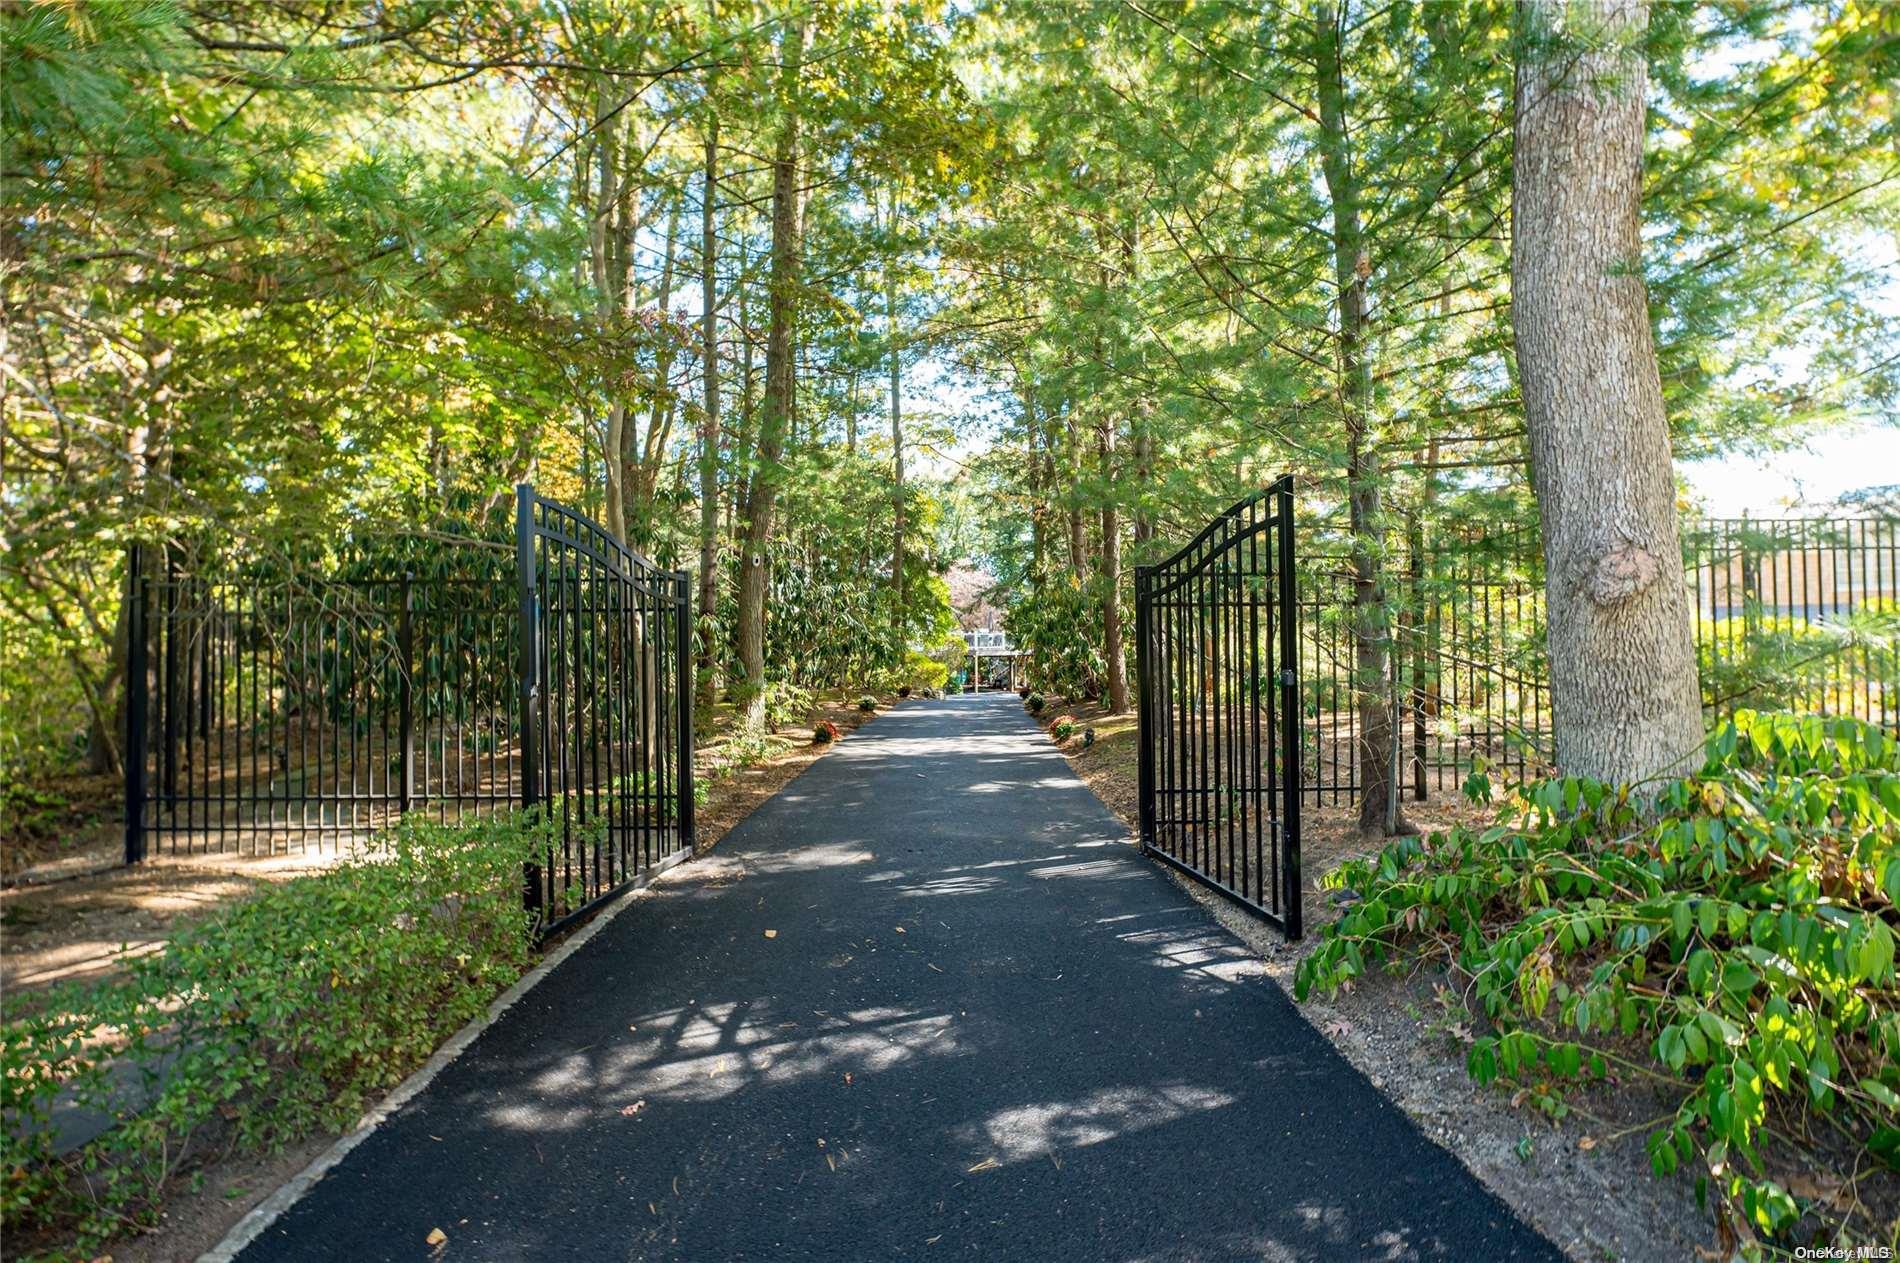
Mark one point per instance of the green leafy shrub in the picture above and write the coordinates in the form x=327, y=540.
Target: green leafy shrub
x=786, y=704
x=918, y=671
x=1060, y=630
x=867, y=704
x=743, y=750
x=824, y=732
x=1035, y=702
x=1088, y=736
x=1064, y=728
x=1741, y=927
x=272, y=1019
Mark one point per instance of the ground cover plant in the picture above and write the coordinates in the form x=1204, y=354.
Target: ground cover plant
x=1734, y=939
x=269, y=1021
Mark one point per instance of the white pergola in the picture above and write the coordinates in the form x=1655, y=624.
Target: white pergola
x=988, y=644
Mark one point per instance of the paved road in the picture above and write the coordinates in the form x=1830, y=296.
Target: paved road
x=924, y=1004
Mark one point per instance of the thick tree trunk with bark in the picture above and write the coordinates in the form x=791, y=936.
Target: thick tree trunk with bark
x=1038, y=491
x=1622, y=648
x=897, y=433
x=709, y=425
x=1112, y=579
x=775, y=409
x=1371, y=621
x=1078, y=538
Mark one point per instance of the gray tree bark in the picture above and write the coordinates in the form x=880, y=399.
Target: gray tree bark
x=1622, y=647
x=897, y=431
x=1112, y=577
x=709, y=424
x=775, y=407
x=1371, y=620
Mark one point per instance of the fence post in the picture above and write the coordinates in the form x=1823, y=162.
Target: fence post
x=406, y=723
x=168, y=689
x=530, y=618
x=133, y=755
x=682, y=649
x=1144, y=704
x=1416, y=627
x=1289, y=709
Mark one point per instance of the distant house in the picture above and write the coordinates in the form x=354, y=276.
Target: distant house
x=992, y=662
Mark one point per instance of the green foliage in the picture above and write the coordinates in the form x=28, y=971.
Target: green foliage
x=867, y=704
x=1035, y=702
x=1782, y=661
x=786, y=703
x=1742, y=926
x=824, y=732
x=271, y=1019
x=1059, y=628
x=1063, y=728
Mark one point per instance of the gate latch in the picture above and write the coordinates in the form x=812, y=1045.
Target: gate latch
x=1289, y=678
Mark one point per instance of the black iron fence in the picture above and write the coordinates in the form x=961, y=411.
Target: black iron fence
x=1799, y=613
x=1465, y=674
x=274, y=707
x=1217, y=680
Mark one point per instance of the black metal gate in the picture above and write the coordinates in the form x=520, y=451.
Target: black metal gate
x=274, y=707
x=1217, y=669
x=606, y=691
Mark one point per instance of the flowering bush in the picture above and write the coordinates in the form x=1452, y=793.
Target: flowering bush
x=824, y=732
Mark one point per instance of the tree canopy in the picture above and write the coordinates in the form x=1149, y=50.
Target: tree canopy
x=1046, y=284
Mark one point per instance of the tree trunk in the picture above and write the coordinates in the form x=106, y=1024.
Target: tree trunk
x=709, y=425
x=641, y=462
x=897, y=431
x=775, y=409
x=1078, y=538
x=602, y=228
x=1112, y=577
x=1622, y=648
x=1351, y=269
x=1038, y=492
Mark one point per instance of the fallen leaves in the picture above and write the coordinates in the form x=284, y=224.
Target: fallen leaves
x=628, y=1111
x=771, y=934
x=436, y=1239
x=988, y=1164
x=1586, y=1143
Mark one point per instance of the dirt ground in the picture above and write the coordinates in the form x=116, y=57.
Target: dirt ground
x=1585, y=1182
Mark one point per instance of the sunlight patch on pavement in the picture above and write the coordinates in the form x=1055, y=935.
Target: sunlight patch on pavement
x=1035, y=1131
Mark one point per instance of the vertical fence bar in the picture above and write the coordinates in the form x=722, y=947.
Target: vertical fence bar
x=133, y=755
x=529, y=673
x=406, y=702
x=1290, y=695
x=682, y=650
x=1144, y=706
